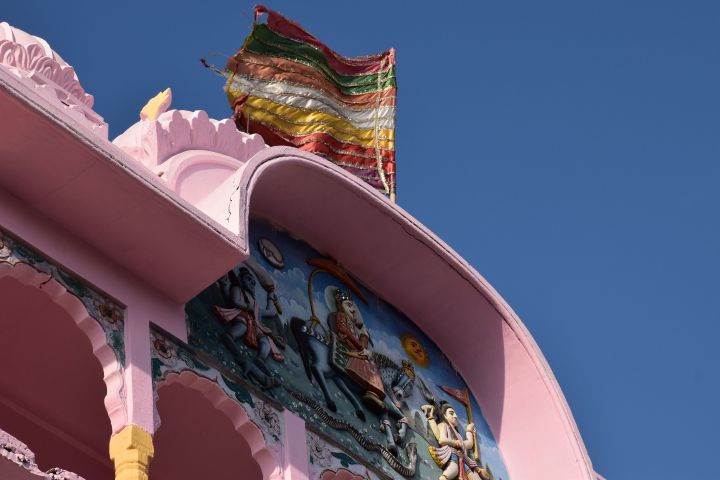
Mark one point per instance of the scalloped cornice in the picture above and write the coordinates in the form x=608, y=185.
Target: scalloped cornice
x=31, y=59
x=153, y=142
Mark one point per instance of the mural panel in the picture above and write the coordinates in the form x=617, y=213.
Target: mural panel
x=297, y=326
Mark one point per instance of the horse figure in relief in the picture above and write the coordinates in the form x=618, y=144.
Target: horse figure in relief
x=341, y=352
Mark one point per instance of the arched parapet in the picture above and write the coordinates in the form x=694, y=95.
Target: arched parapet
x=256, y=420
x=35, y=64
x=100, y=318
x=392, y=253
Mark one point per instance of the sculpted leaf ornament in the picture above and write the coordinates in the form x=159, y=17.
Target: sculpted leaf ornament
x=34, y=63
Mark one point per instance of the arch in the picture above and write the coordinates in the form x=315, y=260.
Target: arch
x=341, y=474
x=299, y=192
x=53, y=394
x=234, y=412
x=113, y=377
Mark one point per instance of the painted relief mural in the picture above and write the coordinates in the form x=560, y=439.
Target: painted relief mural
x=296, y=326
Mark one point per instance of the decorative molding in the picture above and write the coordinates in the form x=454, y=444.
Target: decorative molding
x=60, y=474
x=18, y=453
x=132, y=451
x=153, y=142
x=98, y=317
x=31, y=60
x=157, y=105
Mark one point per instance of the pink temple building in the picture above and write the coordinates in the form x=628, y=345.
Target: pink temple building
x=185, y=302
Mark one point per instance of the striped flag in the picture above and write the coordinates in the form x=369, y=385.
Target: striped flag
x=290, y=88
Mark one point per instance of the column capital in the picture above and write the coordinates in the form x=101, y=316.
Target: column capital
x=132, y=450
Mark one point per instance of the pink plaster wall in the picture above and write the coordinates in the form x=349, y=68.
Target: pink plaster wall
x=295, y=448
x=143, y=304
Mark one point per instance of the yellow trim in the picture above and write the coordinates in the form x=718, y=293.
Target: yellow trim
x=132, y=450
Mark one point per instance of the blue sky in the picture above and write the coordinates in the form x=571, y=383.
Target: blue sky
x=569, y=150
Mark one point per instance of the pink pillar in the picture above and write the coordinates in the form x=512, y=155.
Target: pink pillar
x=295, y=448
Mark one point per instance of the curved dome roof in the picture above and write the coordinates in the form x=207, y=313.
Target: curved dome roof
x=415, y=271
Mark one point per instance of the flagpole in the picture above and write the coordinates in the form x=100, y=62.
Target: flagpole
x=468, y=407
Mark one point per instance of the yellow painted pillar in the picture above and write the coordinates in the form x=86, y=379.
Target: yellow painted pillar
x=132, y=450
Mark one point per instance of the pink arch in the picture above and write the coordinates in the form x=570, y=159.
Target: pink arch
x=112, y=370
x=262, y=455
x=488, y=344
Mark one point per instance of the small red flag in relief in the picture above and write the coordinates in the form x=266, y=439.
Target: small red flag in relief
x=459, y=395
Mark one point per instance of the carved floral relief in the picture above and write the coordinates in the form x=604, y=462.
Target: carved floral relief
x=15, y=451
x=31, y=60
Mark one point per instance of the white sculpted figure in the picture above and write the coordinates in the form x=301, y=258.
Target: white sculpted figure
x=452, y=452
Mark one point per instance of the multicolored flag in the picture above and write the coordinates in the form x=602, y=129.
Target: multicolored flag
x=290, y=88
